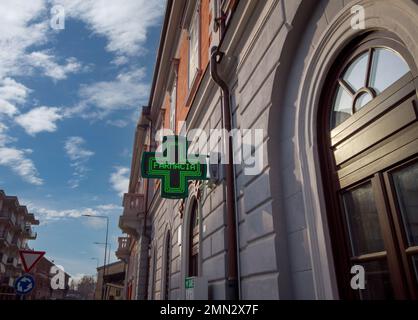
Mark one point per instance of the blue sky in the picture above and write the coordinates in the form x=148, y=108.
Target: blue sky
x=69, y=101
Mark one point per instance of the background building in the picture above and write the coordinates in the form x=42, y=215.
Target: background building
x=333, y=85
x=43, y=290
x=15, y=231
x=114, y=281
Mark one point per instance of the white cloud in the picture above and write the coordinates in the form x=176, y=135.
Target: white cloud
x=11, y=93
x=52, y=214
x=109, y=207
x=16, y=160
x=47, y=64
x=126, y=91
x=48, y=215
x=124, y=23
x=120, y=180
x=95, y=223
x=7, y=108
x=119, y=123
x=22, y=25
x=39, y=119
x=75, y=150
x=120, y=60
x=79, y=155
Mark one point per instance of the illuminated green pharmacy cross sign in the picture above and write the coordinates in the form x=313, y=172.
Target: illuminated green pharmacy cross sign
x=172, y=167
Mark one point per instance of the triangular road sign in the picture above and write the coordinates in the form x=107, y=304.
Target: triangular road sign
x=30, y=258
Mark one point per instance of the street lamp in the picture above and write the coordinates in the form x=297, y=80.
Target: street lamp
x=107, y=234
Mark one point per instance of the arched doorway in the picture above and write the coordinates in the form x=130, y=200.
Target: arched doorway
x=368, y=133
x=193, y=268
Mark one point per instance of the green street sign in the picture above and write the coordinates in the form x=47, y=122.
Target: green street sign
x=173, y=167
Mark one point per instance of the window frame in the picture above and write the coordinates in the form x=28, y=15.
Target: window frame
x=367, y=45
x=194, y=232
x=173, y=106
x=166, y=269
x=195, y=26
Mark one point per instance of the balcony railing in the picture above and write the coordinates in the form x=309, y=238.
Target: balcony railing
x=134, y=207
x=123, y=248
x=29, y=233
x=133, y=203
x=30, y=218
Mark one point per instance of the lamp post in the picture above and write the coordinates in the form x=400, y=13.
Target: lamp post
x=107, y=234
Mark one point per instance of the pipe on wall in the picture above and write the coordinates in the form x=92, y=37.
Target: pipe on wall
x=232, y=260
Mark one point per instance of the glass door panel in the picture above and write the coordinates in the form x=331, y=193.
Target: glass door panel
x=403, y=191
x=378, y=283
x=405, y=183
x=415, y=264
x=367, y=244
x=362, y=220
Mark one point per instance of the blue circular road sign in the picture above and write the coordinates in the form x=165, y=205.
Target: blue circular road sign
x=24, y=284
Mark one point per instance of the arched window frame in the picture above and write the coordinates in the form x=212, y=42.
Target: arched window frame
x=193, y=240
x=185, y=238
x=368, y=43
x=326, y=132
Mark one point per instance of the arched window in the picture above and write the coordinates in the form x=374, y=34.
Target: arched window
x=167, y=267
x=371, y=71
x=194, y=241
x=368, y=130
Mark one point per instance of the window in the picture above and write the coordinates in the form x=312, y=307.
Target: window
x=173, y=98
x=368, y=128
x=194, y=39
x=194, y=242
x=167, y=267
x=368, y=75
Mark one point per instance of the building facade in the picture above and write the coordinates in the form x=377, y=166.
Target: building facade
x=15, y=232
x=332, y=86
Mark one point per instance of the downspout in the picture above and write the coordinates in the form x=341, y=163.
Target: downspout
x=231, y=225
x=144, y=231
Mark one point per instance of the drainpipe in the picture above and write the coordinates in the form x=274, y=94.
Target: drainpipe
x=144, y=231
x=231, y=226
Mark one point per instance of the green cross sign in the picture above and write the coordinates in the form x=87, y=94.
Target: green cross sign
x=173, y=167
